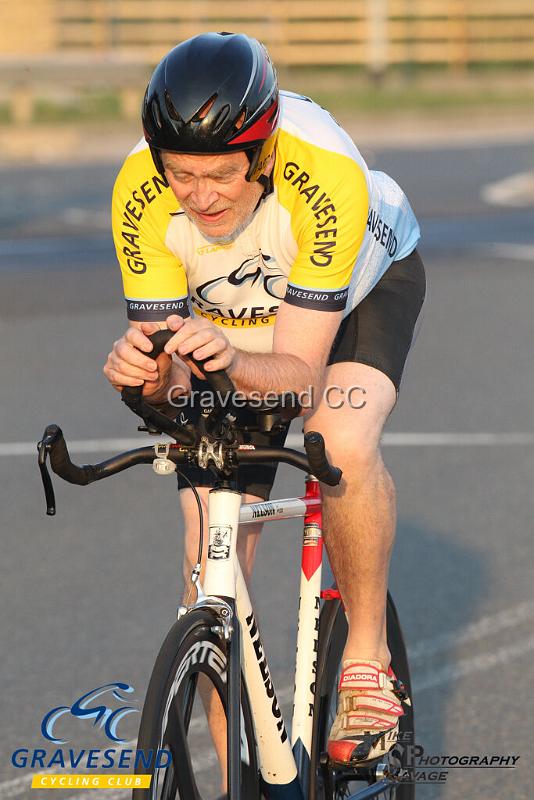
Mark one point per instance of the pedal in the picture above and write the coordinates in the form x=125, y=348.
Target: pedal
x=368, y=771
x=399, y=689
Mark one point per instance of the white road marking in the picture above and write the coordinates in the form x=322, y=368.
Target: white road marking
x=486, y=626
x=294, y=440
x=456, y=439
x=517, y=252
x=88, y=217
x=515, y=191
x=52, y=246
x=470, y=666
x=80, y=446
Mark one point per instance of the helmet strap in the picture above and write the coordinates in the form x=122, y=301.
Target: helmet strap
x=253, y=157
x=156, y=158
x=267, y=182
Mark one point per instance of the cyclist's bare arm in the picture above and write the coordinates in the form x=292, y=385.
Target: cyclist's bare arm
x=302, y=342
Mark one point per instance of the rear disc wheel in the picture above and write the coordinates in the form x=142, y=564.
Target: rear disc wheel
x=336, y=784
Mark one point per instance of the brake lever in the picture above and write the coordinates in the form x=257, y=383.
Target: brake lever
x=51, y=435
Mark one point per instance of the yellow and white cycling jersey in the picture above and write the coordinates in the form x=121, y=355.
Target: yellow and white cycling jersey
x=321, y=239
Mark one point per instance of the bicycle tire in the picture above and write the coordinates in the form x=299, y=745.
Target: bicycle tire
x=332, y=637
x=190, y=649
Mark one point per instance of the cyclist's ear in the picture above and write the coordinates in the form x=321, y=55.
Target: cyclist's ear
x=269, y=165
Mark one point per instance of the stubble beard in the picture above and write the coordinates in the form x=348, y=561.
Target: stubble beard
x=226, y=238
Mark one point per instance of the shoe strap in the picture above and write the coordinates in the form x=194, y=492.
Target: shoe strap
x=367, y=722
x=363, y=675
x=379, y=703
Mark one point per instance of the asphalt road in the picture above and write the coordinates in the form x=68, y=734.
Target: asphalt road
x=88, y=595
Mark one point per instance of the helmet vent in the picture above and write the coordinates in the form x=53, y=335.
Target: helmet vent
x=171, y=108
x=155, y=113
x=240, y=121
x=203, y=112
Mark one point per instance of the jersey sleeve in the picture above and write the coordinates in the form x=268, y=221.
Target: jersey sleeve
x=154, y=279
x=326, y=195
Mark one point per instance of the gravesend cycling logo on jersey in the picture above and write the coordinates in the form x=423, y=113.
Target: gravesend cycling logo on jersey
x=260, y=276
x=92, y=707
x=102, y=709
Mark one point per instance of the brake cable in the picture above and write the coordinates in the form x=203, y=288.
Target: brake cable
x=195, y=575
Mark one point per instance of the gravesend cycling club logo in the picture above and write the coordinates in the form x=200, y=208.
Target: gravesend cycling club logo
x=91, y=707
x=103, y=709
x=260, y=275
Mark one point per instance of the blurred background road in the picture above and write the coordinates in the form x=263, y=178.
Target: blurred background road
x=88, y=595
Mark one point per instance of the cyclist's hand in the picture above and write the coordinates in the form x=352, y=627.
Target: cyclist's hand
x=127, y=365
x=203, y=339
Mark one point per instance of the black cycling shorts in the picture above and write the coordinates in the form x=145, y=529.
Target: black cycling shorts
x=379, y=332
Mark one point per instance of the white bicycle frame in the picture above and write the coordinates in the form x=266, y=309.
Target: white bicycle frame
x=284, y=764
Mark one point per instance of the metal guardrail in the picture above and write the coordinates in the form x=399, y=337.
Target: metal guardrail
x=91, y=41
x=371, y=33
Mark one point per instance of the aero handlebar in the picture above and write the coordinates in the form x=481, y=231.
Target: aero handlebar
x=53, y=445
x=132, y=395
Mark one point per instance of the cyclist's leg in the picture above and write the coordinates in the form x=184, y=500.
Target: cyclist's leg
x=369, y=352
x=359, y=515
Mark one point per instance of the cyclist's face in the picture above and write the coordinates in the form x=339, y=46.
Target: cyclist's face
x=213, y=192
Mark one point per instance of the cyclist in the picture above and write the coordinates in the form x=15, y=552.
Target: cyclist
x=248, y=223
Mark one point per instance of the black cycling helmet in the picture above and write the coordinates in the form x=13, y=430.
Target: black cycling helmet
x=214, y=93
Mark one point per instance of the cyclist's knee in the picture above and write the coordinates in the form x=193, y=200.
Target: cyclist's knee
x=356, y=452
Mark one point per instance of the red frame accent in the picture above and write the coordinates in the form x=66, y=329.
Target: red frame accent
x=330, y=594
x=312, y=554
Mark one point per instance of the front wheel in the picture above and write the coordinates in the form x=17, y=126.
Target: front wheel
x=185, y=714
x=328, y=784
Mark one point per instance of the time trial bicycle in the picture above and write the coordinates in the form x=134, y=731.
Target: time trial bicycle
x=212, y=663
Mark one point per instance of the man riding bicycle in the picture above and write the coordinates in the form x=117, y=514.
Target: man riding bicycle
x=248, y=223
